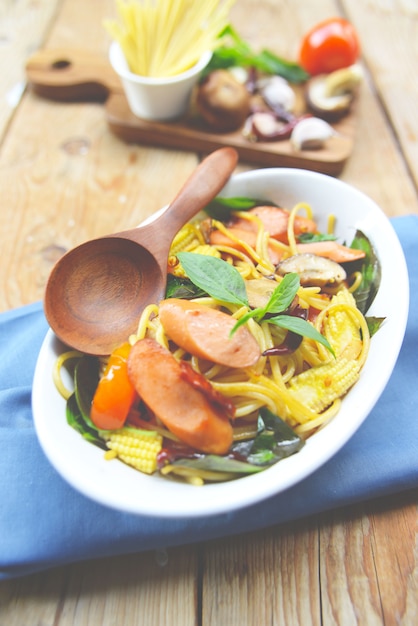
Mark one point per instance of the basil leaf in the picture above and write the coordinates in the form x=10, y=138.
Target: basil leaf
x=237, y=52
x=244, y=319
x=300, y=327
x=374, y=323
x=370, y=271
x=312, y=237
x=86, y=378
x=179, y=287
x=221, y=208
x=279, y=301
x=213, y=463
x=76, y=420
x=282, y=297
x=270, y=63
x=216, y=277
x=274, y=441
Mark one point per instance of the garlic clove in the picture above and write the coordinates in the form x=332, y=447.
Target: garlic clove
x=239, y=73
x=311, y=133
x=265, y=126
x=277, y=92
x=262, y=125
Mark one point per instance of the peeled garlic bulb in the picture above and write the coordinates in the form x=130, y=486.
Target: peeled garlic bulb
x=277, y=92
x=311, y=133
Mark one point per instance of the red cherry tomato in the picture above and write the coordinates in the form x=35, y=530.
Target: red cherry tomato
x=329, y=46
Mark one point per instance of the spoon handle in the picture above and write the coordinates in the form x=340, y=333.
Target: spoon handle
x=201, y=187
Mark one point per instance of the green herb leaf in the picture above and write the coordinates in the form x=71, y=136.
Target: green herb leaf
x=216, y=277
x=370, y=270
x=282, y=297
x=374, y=323
x=312, y=237
x=76, y=420
x=270, y=63
x=179, y=287
x=86, y=378
x=274, y=441
x=244, y=319
x=300, y=327
x=221, y=208
x=222, y=464
x=280, y=300
x=234, y=51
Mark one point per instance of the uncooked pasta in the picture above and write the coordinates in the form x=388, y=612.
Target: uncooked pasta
x=163, y=38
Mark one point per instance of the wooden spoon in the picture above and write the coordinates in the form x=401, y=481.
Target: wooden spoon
x=96, y=292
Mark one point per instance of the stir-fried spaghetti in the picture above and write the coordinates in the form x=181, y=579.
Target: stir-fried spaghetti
x=301, y=383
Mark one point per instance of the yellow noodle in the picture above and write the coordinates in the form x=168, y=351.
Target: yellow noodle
x=357, y=279
x=164, y=38
x=60, y=362
x=145, y=322
x=323, y=418
x=265, y=263
x=331, y=224
x=290, y=228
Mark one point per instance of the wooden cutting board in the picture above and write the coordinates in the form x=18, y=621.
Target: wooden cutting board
x=74, y=75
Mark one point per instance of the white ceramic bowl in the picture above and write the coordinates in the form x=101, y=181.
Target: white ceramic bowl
x=156, y=98
x=118, y=486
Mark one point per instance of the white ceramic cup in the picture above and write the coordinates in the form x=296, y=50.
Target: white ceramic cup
x=156, y=98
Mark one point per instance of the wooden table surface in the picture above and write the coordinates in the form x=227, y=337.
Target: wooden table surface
x=64, y=178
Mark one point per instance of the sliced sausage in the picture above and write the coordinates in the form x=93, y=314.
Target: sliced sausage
x=185, y=411
x=205, y=333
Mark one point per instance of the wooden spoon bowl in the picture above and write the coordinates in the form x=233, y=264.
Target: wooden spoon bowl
x=96, y=292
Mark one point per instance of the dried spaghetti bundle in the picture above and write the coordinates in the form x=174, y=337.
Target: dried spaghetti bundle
x=163, y=38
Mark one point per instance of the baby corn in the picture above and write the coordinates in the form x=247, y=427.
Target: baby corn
x=137, y=448
x=319, y=386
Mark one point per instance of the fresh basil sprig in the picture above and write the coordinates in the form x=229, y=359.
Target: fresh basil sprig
x=235, y=51
x=279, y=301
x=223, y=282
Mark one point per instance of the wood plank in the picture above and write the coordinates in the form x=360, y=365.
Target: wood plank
x=148, y=589
x=23, y=27
x=394, y=530
x=268, y=577
x=388, y=31
x=367, y=563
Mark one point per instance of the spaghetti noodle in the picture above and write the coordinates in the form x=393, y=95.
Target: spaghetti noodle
x=163, y=38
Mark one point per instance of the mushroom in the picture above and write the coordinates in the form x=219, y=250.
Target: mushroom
x=330, y=95
x=310, y=133
x=222, y=101
x=259, y=291
x=313, y=270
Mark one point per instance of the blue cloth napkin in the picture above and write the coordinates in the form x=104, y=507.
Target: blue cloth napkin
x=45, y=523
